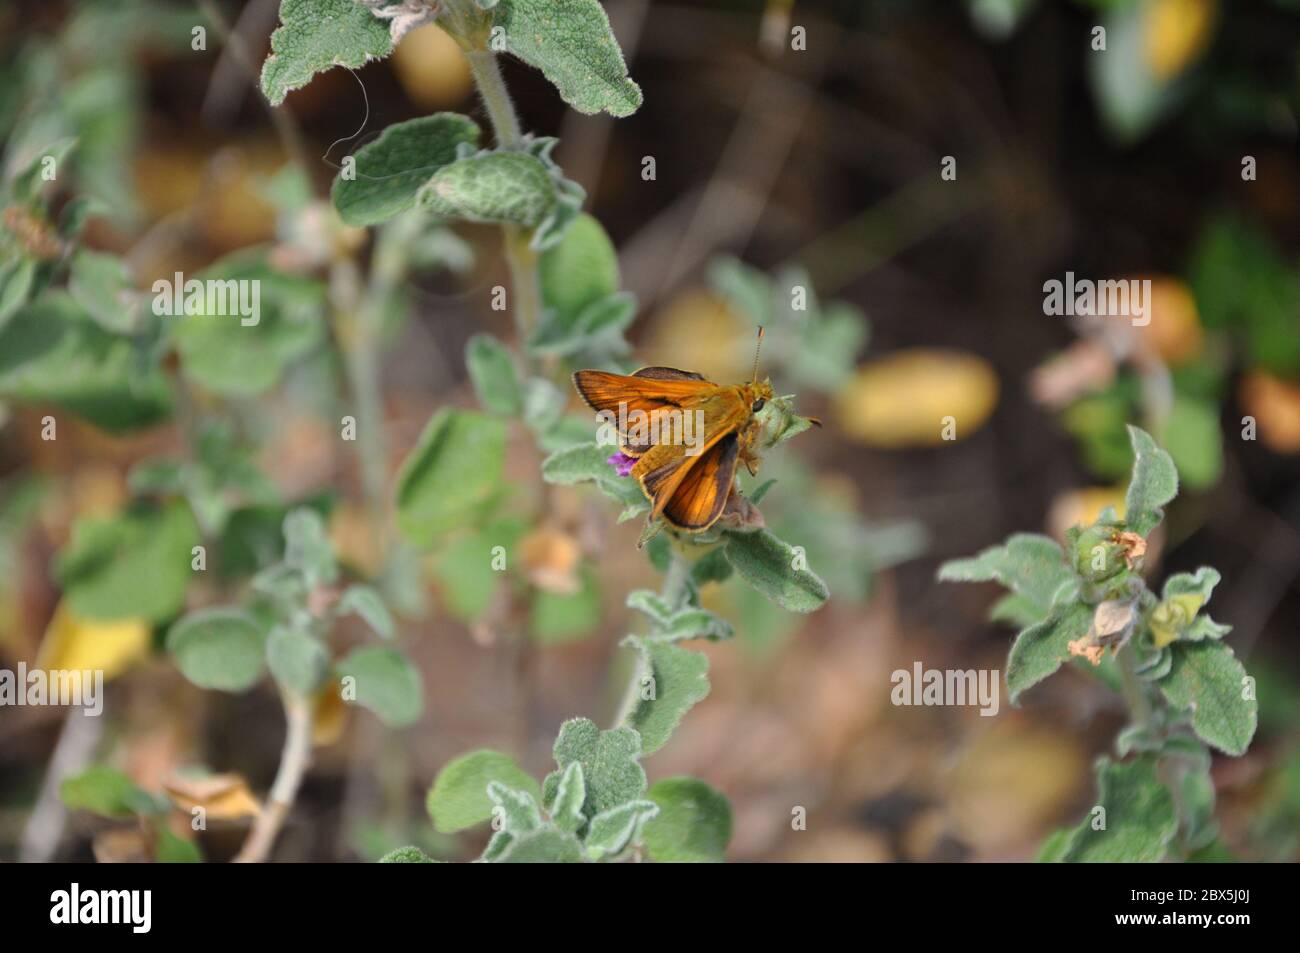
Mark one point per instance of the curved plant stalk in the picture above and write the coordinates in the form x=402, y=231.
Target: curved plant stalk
x=294, y=760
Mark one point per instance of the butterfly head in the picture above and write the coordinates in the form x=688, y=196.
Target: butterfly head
x=756, y=395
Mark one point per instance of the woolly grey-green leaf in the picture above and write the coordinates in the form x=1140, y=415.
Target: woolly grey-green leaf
x=1203, y=627
x=365, y=601
x=1153, y=484
x=596, y=329
x=518, y=809
x=1186, y=584
x=1140, y=818
x=451, y=479
x=546, y=845
x=610, y=764
x=390, y=170
x=221, y=648
x=1030, y=565
x=670, y=681
x=1207, y=679
x=571, y=42
x=650, y=603
x=297, y=659
x=693, y=824
x=315, y=35
x=768, y=564
x=692, y=623
x=407, y=855
x=102, y=284
x=613, y=830
x=386, y=683
x=566, y=811
x=493, y=187
x=588, y=462
x=579, y=271
x=1044, y=647
x=459, y=799
x=492, y=370
x=307, y=547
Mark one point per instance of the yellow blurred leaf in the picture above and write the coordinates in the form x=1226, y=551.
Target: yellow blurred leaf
x=431, y=68
x=1081, y=507
x=72, y=642
x=902, y=400
x=329, y=716
x=225, y=797
x=1275, y=405
x=1175, y=328
x=550, y=557
x=698, y=332
x=1176, y=33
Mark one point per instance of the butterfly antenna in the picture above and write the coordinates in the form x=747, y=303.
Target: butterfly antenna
x=757, y=346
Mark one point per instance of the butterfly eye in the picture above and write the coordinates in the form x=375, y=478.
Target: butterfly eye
x=758, y=405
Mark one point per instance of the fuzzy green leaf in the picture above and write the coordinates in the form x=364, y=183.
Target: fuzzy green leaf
x=365, y=601
x=407, y=855
x=1044, y=647
x=610, y=764
x=518, y=810
x=53, y=352
x=219, y=648
x=459, y=799
x=571, y=42
x=579, y=271
x=1140, y=818
x=386, y=683
x=297, y=659
x=228, y=349
x=693, y=824
x=133, y=565
x=390, y=170
x=1186, y=584
x=1030, y=565
x=566, y=811
x=1207, y=678
x=691, y=623
x=546, y=845
x=496, y=381
x=613, y=830
x=315, y=35
x=670, y=681
x=101, y=283
x=588, y=462
x=106, y=792
x=1153, y=484
x=768, y=565
x=451, y=478
x=493, y=187
x=307, y=547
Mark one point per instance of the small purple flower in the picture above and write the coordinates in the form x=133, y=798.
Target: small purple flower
x=621, y=462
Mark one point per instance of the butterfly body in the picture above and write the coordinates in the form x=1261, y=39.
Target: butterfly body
x=686, y=434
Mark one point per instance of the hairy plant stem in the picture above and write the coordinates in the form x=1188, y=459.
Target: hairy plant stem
x=520, y=255
x=673, y=592
x=294, y=760
x=356, y=320
x=1139, y=705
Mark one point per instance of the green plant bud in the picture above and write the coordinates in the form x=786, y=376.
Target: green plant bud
x=1098, y=556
